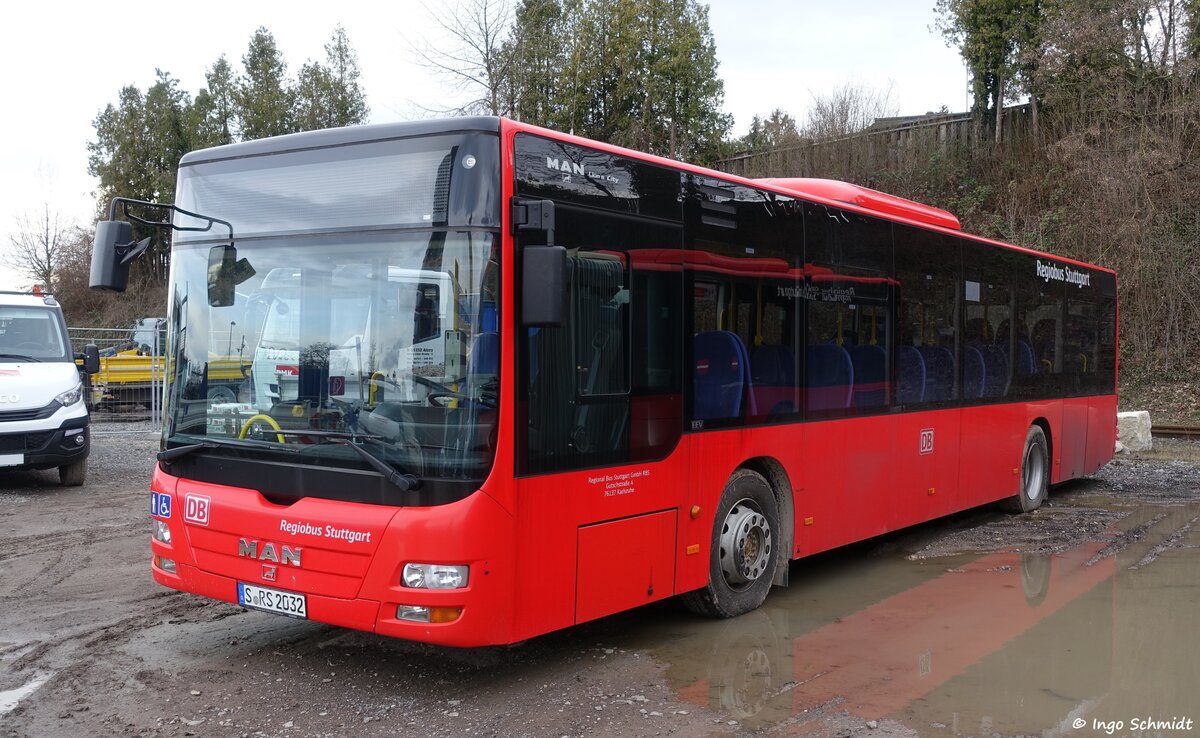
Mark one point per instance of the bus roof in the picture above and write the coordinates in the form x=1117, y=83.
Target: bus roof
x=866, y=197
x=329, y=137
x=820, y=191
x=823, y=195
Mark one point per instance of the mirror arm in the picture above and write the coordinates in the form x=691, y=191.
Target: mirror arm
x=125, y=202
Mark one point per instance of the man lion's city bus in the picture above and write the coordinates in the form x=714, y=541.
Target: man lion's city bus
x=505, y=380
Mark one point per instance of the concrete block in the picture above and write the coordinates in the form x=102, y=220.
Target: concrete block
x=1133, y=431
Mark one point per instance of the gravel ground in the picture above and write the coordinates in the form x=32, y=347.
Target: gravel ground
x=94, y=647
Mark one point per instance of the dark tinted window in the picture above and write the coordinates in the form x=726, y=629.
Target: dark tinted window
x=562, y=171
x=605, y=388
x=988, y=299
x=744, y=266
x=848, y=290
x=927, y=348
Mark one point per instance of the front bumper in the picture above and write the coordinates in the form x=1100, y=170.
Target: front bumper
x=46, y=449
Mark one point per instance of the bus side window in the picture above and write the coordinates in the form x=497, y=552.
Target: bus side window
x=850, y=299
x=604, y=389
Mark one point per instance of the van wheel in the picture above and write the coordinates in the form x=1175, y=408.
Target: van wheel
x=1035, y=473
x=73, y=475
x=743, y=558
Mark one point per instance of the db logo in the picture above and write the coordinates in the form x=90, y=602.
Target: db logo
x=927, y=440
x=195, y=509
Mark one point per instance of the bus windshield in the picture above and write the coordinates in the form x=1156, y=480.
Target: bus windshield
x=387, y=339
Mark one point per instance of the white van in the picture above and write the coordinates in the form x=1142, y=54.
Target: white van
x=43, y=417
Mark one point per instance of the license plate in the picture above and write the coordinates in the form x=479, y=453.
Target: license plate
x=12, y=459
x=272, y=600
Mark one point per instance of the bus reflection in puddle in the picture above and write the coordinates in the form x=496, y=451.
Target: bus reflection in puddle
x=1005, y=642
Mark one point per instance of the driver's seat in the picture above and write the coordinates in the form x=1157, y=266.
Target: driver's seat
x=485, y=355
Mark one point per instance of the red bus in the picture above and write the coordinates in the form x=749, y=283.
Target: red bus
x=500, y=380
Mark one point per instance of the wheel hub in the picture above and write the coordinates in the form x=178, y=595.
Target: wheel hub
x=745, y=545
x=1033, y=474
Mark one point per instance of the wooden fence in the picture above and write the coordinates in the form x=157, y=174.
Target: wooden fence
x=902, y=146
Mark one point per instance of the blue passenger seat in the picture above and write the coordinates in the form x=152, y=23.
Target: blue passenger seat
x=939, y=373
x=485, y=354
x=975, y=373
x=910, y=375
x=773, y=373
x=870, y=375
x=721, y=375
x=830, y=382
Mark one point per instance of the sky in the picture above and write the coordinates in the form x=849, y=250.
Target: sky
x=61, y=64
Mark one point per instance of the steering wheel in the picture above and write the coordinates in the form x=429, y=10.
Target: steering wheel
x=29, y=345
x=442, y=392
x=441, y=398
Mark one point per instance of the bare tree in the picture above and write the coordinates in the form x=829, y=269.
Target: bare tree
x=38, y=246
x=848, y=109
x=475, y=60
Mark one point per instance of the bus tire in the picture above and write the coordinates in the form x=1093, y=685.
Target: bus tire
x=1035, y=473
x=743, y=554
x=73, y=475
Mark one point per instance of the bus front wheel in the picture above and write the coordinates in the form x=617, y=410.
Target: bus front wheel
x=743, y=552
x=1035, y=472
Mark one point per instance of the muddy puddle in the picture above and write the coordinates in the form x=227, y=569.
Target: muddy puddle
x=1094, y=639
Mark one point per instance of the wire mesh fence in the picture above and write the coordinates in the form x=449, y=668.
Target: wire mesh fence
x=129, y=386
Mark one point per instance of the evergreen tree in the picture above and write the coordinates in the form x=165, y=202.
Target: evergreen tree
x=215, y=112
x=329, y=95
x=539, y=56
x=777, y=129
x=646, y=78
x=263, y=93
x=136, y=153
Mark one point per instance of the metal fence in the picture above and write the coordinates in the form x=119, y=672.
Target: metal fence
x=129, y=385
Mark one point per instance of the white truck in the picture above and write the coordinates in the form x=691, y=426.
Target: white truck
x=43, y=416
x=425, y=294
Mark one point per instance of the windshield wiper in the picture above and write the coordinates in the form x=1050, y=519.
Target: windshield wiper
x=171, y=454
x=403, y=482
x=21, y=357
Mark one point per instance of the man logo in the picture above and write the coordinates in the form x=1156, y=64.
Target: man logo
x=275, y=553
x=270, y=573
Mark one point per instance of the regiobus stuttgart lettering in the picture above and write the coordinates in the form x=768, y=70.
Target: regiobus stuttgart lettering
x=328, y=531
x=1047, y=272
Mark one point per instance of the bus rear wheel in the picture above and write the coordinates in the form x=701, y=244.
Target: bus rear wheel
x=1035, y=473
x=743, y=554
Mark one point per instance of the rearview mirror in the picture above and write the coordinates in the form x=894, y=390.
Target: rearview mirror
x=111, y=254
x=225, y=271
x=91, y=358
x=544, y=286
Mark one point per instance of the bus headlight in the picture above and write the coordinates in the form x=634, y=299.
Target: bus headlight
x=434, y=576
x=161, y=532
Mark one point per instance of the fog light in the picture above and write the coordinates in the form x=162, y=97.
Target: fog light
x=167, y=565
x=434, y=576
x=161, y=532
x=415, y=613
x=419, y=614
x=78, y=440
